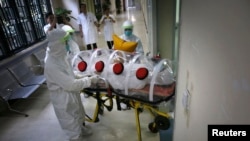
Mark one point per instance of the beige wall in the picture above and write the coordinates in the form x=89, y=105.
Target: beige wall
x=55, y=4
x=74, y=6
x=113, y=8
x=160, y=19
x=213, y=66
x=165, y=23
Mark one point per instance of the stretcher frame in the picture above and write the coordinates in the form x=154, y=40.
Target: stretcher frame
x=161, y=119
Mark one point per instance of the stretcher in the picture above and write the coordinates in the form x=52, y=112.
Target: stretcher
x=137, y=100
x=140, y=82
x=104, y=98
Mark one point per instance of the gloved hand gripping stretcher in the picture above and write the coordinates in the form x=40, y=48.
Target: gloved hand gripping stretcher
x=139, y=81
x=92, y=63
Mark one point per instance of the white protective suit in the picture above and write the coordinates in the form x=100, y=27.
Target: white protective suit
x=134, y=38
x=64, y=88
x=108, y=28
x=88, y=27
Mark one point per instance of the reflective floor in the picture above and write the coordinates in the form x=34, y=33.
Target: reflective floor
x=42, y=124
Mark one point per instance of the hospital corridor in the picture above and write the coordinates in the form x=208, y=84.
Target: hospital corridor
x=178, y=70
x=42, y=124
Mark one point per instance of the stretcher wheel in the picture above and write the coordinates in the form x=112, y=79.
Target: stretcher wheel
x=153, y=127
x=109, y=108
x=96, y=120
x=162, y=123
x=101, y=110
x=140, y=110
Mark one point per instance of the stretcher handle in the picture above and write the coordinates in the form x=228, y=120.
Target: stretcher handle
x=109, y=91
x=156, y=70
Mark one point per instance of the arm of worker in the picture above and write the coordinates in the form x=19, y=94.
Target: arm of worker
x=80, y=29
x=139, y=48
x=97, y=25
x=79, y=75
x=102, y=20
x=69, y=83
x=93, y=17
x=111, y=17
x=78, y=20
x=52, y=25
x=46, y=27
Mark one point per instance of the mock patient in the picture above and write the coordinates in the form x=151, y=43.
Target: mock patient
x=126, y=71
x=122, y=72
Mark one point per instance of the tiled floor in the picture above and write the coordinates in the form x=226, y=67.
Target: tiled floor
x=42, y=124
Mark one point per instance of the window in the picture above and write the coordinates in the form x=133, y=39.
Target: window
x=22, y=24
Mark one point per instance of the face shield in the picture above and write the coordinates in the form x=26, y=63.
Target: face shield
x=128, y=28
x=69, y=31
x=128, y=32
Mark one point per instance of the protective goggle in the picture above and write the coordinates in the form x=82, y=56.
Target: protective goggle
x=128, y=29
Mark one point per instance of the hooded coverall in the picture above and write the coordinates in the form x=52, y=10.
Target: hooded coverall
x=64, y=88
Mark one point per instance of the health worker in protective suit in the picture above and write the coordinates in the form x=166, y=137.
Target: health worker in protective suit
x=52, y=24
x=129, y=36
x=108, y=21
x=64, y=87
x=88, y=26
